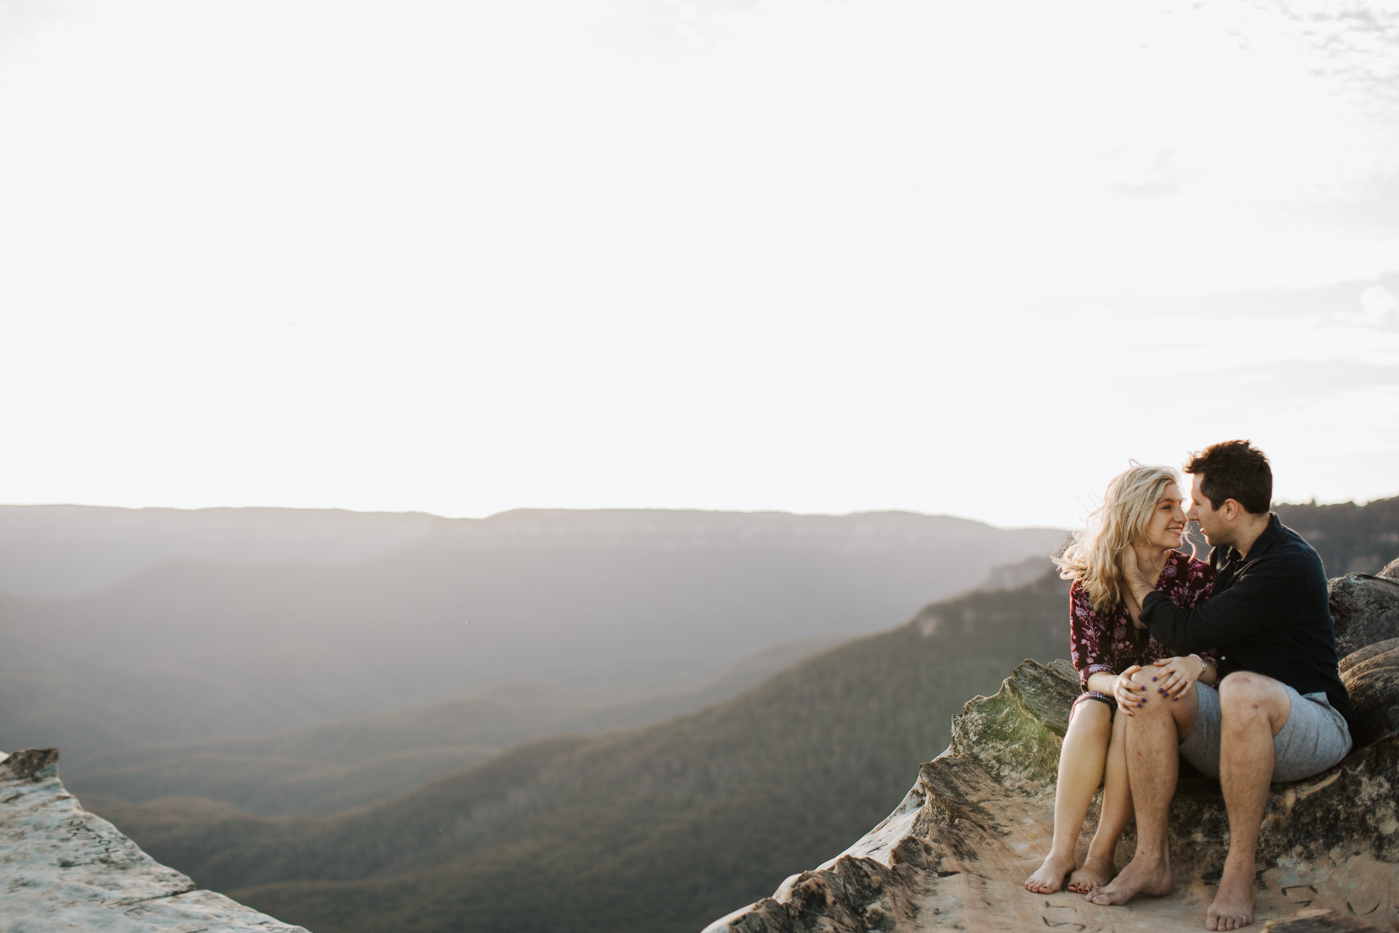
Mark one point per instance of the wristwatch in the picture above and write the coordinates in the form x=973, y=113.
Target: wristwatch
x=1203, y=666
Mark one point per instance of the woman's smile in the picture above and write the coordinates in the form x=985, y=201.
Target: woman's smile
x=1166, y=528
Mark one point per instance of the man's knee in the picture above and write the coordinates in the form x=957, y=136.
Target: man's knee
x=1242, y=690
x=1245, y=696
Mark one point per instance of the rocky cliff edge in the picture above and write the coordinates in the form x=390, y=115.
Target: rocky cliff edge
x=62, y=868
x=955, y=852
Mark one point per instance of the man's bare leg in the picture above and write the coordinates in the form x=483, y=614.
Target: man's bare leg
x=1252, y=710
x=1101, y=864
x=1080, y=770
x=1154, y=732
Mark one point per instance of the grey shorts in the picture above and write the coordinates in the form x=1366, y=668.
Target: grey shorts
x=1314, y=738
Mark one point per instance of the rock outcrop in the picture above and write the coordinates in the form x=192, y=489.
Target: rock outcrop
x=62, y=868
x=1366, y=608
x=955, y=852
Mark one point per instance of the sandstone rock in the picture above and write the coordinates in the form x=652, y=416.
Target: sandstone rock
x=1317, y=921
x=66, y=869
x=955, y=853
x=1371, y=676
x=1391, y=570
x=1365, y=609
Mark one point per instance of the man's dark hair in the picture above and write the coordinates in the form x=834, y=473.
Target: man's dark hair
x=1234, y=470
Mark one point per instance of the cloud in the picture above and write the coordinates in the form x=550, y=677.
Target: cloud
x=1313, y=378
x=1143, y=171
x=1378, y=306
x=19, y=19
x=1365, y=301
x=1355, y=44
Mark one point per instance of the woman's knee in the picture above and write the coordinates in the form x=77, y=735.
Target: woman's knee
x=1143, y=677
x=1091, y=717
x=1145, y=689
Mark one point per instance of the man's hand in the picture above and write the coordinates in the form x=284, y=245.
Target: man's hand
x=1130, y=571
x=1129, y=696
x=1137, y=584
x=1176, y=675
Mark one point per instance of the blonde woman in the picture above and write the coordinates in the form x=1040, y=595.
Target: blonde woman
x=1142, y=510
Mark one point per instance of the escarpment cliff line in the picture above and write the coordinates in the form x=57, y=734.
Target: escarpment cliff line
x=956, y=851
x=66, y=869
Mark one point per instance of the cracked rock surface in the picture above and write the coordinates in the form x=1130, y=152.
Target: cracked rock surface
x=955, y=852
x=62, y=868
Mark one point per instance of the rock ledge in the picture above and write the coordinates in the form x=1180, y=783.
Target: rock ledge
x=66, y=869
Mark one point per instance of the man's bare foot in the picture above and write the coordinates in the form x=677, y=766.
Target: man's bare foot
x=1139, y=877
x=1094, y=873
x=1050, y=876
x=1233, y=903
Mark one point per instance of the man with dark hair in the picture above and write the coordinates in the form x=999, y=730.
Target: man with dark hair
x=1234, y=470
x=1281, y=712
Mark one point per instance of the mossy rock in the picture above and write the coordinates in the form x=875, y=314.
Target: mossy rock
x=1016, y=734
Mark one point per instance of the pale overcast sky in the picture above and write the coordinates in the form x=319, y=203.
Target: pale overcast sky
x=462, y=257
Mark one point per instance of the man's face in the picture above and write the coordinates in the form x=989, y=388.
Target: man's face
x=1201, y=512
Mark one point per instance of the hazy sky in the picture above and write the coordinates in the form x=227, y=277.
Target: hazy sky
x=816, y=256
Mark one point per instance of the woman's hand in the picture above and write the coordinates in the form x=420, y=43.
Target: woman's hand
x=1176, y=675
x=1128, y=695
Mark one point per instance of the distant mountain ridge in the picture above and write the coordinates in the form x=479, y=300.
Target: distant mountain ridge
x=276, y=619
x=1350, y=538
x=61, y=551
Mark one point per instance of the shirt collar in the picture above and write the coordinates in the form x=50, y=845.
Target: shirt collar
x=1265, y=540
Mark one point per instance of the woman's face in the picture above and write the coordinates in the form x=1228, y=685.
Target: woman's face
x=1167, y=526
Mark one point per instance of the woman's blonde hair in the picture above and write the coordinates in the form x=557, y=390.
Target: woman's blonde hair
x=1091, y=557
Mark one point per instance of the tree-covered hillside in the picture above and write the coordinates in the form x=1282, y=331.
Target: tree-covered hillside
x=1350, y=538
x=661, y=828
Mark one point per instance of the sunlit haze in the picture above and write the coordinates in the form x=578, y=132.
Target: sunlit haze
x=814, y=256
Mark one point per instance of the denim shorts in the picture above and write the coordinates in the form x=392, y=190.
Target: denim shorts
x=1314, y=738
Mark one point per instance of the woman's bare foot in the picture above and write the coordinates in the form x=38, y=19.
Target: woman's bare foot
x=1095, y=872
x=1050, y=876
x=1233, y=903
x=1139, y=877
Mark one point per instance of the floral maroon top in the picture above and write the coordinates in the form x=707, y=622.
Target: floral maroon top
x=1110, y=642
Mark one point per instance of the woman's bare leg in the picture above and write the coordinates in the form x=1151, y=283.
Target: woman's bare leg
x=1080, y=769
x=1100, y=866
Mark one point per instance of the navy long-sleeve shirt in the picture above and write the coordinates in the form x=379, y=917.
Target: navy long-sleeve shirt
x=1269, y=614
